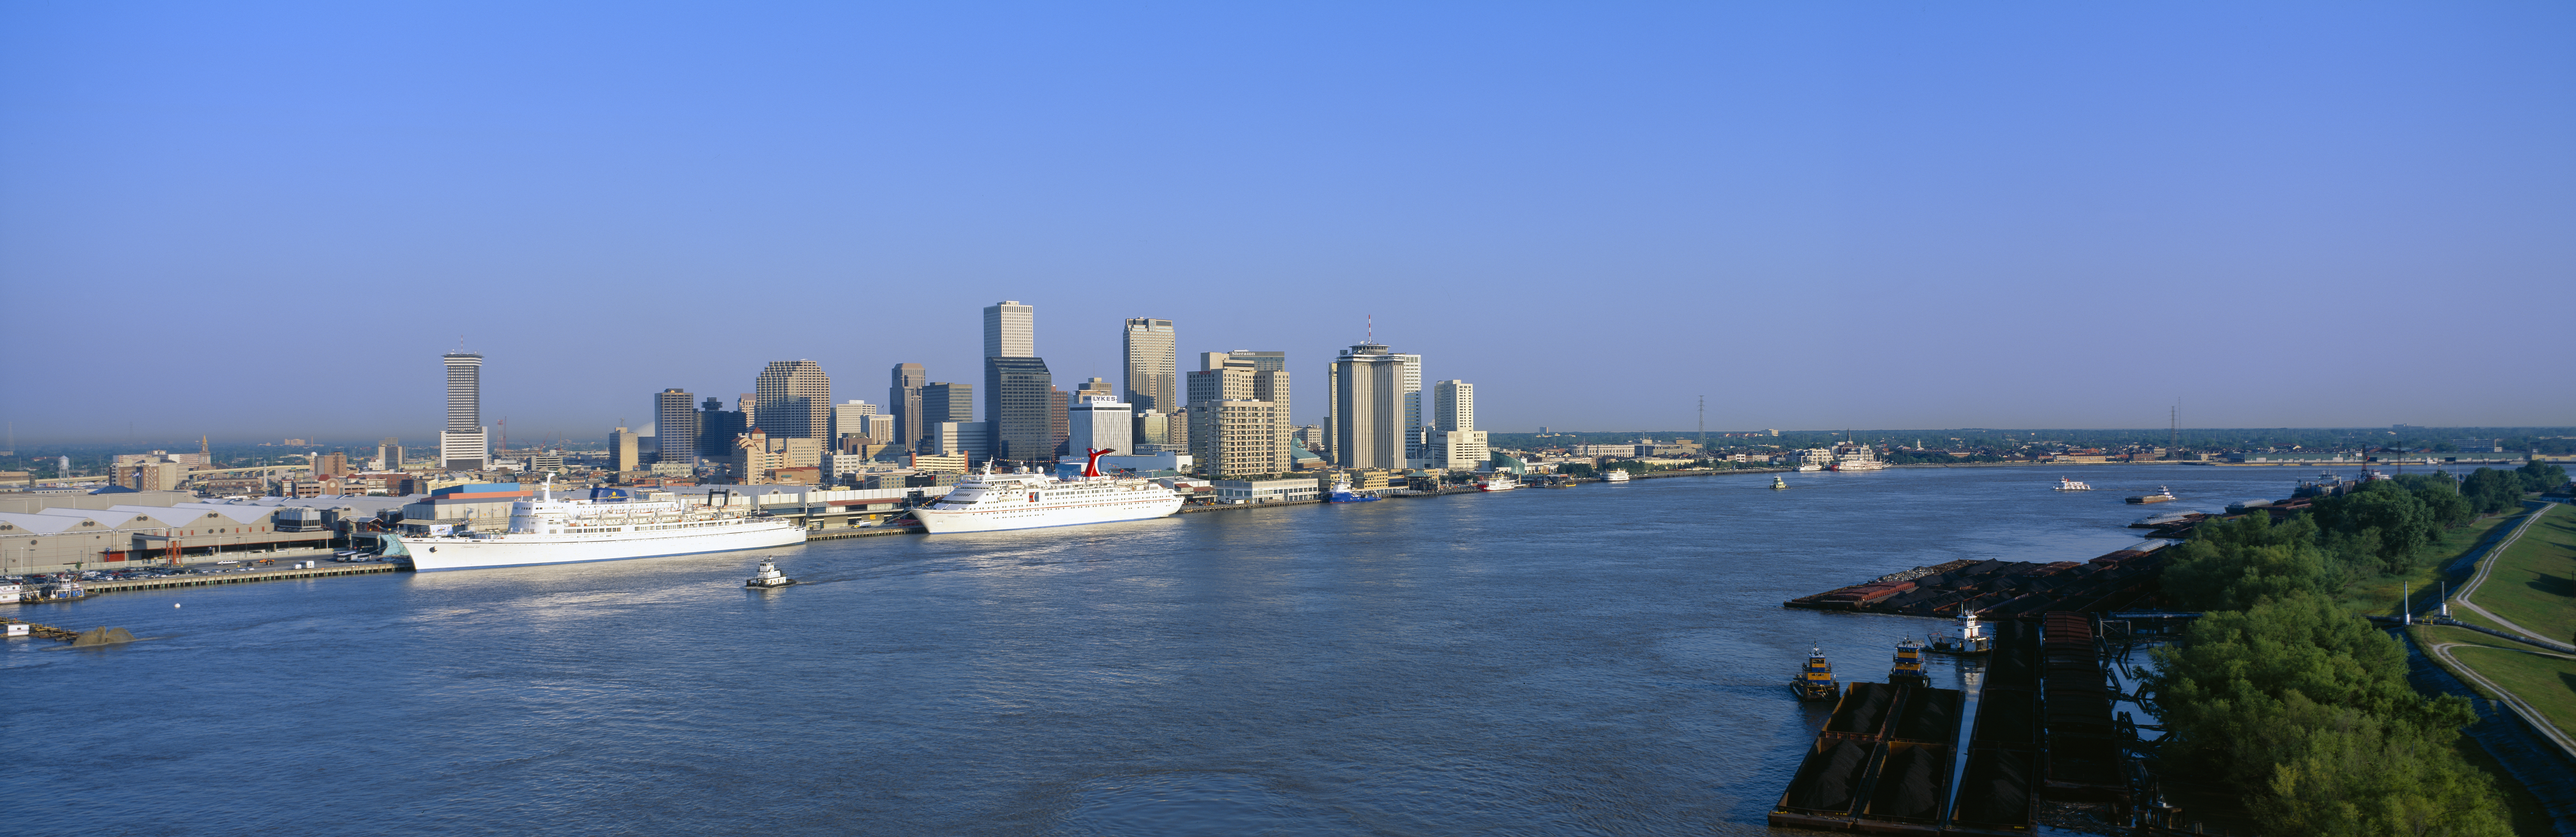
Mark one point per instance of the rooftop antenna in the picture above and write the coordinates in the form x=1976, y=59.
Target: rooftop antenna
x=1703, y=424
x=2173, y=441
x=1372, y=328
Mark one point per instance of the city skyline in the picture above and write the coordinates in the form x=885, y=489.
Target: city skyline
x=1812, y=218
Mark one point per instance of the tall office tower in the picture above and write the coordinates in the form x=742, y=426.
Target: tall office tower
x=1099, y=421
x=1376, y=403
x=718, y=428
x=878, y=428
x=624, y=452
x=794, y=400
x=1020, y=409
x=1238, y=414
x=1455, y=441
x=1158, y=432
x=463, y=446
x=1059, y=421
x=1153, y=376
x=849, y=425
x=1453, y=405
x=1095, y=386
x=676, y=431
x=1010, y=330
x=944, y=401
x=903, y=402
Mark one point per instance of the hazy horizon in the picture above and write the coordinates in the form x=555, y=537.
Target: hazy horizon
x=272, y=219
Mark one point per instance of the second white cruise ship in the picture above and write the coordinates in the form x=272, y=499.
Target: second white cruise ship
x=990, y=502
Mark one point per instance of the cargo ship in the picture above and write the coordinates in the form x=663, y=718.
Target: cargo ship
x=2162, y=495
x=1342, y=493
x=609, y=526
x=990, y=502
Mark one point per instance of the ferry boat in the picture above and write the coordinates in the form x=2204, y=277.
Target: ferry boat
x=1614, y=476
x=1342, y=493
x=610, y=526
x=1816, y=680
x=990, y=502
x=1859, y=458
x=2064, y=484
x=1971, y=641
x=1778, y=483
x=1498, y=482
x=768, y=577
x=1908, y=670
x=2162, y=495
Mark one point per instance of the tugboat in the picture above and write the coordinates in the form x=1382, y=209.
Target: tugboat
x=1909, y=665
x=1778, y=484
x=1816, y=681
x=2064, y=484
x=2162, y=495
x=769, y=578
x=1342, y=493
x=1971, y=640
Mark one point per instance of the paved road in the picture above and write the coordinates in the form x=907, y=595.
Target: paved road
x=2538, y=721
x=2486, y=564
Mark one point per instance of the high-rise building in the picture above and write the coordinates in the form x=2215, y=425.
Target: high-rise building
x=1095, y=386
x=1376, y=408
x=944, y=401
x=1153, y=374
x=1159, y=432
x=676, y=430
x=463, y=445
x=1455, y=441
x=1020, y=412
x=718, y=428
x=1010, y=329
x=1059, y=418
x=624, y=451
x=1238, y=413
x=794, y=400
x=1099, y=421
x=850, y=418
x=903, y=402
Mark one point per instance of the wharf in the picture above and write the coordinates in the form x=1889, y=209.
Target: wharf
x=239, y=577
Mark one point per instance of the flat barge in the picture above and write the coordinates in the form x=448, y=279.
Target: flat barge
x=1995, y=590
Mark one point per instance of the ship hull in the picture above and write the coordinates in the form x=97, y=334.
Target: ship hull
x=1004, y=517
x=523, y=549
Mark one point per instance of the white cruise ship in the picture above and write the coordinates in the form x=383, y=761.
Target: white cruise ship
x=1498, y=482
x=1859, y=458
x=608, y=527
x=990, y=502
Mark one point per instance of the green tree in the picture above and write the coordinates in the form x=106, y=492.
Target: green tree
x=2491, y=491
x=2540, y=476
x=2238, y=564
x=2382, y=521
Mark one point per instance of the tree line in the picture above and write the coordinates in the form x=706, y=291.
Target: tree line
x=2279, y=691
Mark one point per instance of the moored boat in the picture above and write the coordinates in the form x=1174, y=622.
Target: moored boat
x=1614, y=475
x=609, y=526
x=1342, y=493
x=1498, y=482
x=991, y=502
x=1972, y=639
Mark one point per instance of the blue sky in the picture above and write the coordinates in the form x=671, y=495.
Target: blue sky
x=261, y=220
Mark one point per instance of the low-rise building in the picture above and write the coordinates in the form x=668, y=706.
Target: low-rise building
x=1243, y=492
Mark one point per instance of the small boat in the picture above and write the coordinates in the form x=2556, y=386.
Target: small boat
x=1614, y=476
x=1778, y=484
x=1498, y=482
x=2064, y=484
x=1342, y=493
x=1816, y=680
x=2162, y=495
x=1971, y=641
x=769, y=578
x=1908, y=670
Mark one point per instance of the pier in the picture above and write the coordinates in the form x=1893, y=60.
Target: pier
x=324, y=570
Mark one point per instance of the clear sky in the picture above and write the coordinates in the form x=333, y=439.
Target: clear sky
x=268, y=219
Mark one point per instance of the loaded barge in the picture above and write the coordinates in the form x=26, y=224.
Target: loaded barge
x=1997, y=590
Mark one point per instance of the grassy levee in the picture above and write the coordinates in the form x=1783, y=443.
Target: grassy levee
x=2529, y=816
x=2378, y=596
x=2534, y=581
x=2546, y=682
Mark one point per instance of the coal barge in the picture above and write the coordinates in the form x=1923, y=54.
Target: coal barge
x=1998, y=590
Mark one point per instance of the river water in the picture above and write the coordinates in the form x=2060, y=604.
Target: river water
x=1607, y=659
